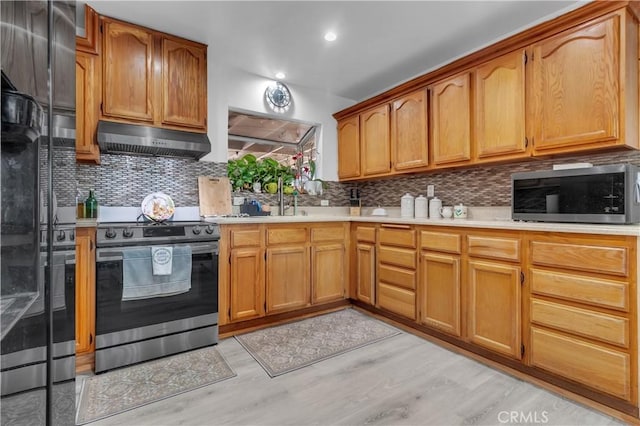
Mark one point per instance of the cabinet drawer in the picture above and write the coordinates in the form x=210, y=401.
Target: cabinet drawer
x=494, y=248
x=397, y=256
x=245, y=238
x=333, y=233
x=397, y=276
x=440, y=241
x=397, y=235
x=366, y=233
x=606, y=260
x=595, y=325
x=601, y=368
x=398, y=300
x=286, y=236
x=593, y=291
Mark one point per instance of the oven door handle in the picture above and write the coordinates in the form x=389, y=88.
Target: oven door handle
x=109, y=254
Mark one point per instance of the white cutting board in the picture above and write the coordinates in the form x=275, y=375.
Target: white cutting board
x=215, y=196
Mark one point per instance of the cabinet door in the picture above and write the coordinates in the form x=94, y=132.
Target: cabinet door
x=86, y=108
x=439, y=283
x=349, y=148
x=451, y=120
x=287, y=278
x=247, y=283
x=409, y=131
x=328, y=263
x=576, y=87
x=374, y=136
x=500, y=108
x=85, y=289
x=366, y=273
x=494, y=307
x=127, y=71
x=184, y=84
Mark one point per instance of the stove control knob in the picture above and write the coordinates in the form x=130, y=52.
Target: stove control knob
x=72, y=235
x=210, y=229
x=110, y=233
x=127, y=233
x=196, y=230
x=61, y=236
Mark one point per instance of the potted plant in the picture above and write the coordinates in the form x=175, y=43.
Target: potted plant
x=241, y=172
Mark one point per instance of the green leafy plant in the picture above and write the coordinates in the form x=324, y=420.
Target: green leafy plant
x=245, y=171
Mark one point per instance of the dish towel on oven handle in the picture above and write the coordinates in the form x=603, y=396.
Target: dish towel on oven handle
x=138, y=281
x=161, y=260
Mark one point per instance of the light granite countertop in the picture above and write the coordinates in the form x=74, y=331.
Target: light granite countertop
x=488, y=218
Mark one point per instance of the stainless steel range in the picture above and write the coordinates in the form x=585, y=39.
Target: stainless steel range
x=156, y=290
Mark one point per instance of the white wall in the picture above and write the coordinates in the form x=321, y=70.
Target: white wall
x=234, y=88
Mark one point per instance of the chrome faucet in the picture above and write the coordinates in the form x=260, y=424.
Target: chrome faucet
x=281, y=206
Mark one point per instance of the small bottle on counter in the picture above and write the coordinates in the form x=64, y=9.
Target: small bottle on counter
x=79, y=205
x=91, y=206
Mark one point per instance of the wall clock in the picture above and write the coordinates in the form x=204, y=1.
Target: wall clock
x=278, y=97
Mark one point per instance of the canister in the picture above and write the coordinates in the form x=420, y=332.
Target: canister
x=460, y=211
x=421, y=209
x=434, y=208
x=406, y=205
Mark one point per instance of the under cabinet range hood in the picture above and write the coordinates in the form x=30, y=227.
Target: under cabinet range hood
x=64, y=131
x=120, y=138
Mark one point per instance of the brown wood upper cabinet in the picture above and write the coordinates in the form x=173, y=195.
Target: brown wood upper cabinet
x=451, y=125
x=374, y=139
x=585, y=87
x=500, y=108
x=387, y=139
x=87, y=74
x=152, y=78
x=184, y=83
x=409, y=132
x=349, y=148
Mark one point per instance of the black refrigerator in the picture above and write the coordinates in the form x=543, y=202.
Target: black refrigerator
x=37, y=284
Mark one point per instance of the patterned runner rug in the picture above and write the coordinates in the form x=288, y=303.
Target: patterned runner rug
x=124, y=389
x=288, y=347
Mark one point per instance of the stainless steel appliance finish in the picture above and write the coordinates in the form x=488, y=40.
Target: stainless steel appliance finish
x=121, y=138
x=603, y=194
x=37, y=349
x=132, y=331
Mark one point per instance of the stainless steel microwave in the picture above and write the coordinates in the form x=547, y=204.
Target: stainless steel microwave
x=602, y=194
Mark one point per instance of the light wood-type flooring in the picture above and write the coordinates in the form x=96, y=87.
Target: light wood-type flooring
x=402, y=380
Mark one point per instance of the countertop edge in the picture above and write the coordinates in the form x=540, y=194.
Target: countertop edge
x=629, y=230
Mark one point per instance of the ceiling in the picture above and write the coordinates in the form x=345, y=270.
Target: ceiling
x=380, y=43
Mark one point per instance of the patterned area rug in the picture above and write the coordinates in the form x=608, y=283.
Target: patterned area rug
x=120, y=390
x=292, y=346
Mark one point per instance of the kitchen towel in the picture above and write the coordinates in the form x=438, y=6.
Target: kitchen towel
x=138, y=281
x=161, y=260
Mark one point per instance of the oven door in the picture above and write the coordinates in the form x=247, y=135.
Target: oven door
x=115, y=315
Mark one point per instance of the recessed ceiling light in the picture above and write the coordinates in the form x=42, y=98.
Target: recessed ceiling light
x=280, y=75
x=330, y=36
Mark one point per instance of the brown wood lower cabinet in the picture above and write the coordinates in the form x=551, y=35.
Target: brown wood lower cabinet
x=85, y=289
x=440, y=291
x=582, y=313
x=597, y=366
x=287, y=278
x=396, y=274
x=494, y=306
x=247, y=299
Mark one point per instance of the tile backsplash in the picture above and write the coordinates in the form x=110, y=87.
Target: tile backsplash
x=488, y=185
x=124, y=180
